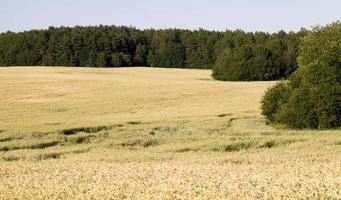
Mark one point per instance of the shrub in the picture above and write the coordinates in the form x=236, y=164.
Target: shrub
x=298, y=112
x=274, y=97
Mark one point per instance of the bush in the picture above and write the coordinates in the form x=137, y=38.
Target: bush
x=314, y=100
x=273, y=99
x=298, y=112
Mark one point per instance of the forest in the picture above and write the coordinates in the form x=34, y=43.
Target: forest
x=233, y=55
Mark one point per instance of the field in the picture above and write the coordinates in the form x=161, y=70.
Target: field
x=150, y=133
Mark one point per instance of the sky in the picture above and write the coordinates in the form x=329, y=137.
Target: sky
x=249, y=15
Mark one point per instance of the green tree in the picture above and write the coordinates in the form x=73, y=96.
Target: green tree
x=101, y=60
x=166, y=49
x=120, y=60
x=228, y=67
x=116, y=60
x=315, y=100
x=141, y=53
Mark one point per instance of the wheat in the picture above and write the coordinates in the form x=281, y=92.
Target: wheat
x=149, y=133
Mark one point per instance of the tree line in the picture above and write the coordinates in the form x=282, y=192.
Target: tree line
x=233, y=55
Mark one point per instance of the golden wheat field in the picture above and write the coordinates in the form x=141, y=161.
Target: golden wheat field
x=150, y=133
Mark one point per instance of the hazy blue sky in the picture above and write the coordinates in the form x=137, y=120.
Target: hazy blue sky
x=250, y=15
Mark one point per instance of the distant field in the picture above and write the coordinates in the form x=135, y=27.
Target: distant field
x=152, y=133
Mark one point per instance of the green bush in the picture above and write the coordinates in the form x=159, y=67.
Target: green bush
x=274, y=97
x=298, y=112
x=314, y=100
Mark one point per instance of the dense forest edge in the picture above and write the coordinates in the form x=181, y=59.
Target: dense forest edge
x=253, y=56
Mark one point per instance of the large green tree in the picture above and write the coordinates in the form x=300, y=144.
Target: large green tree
x=166, y=49
x=312, y=96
